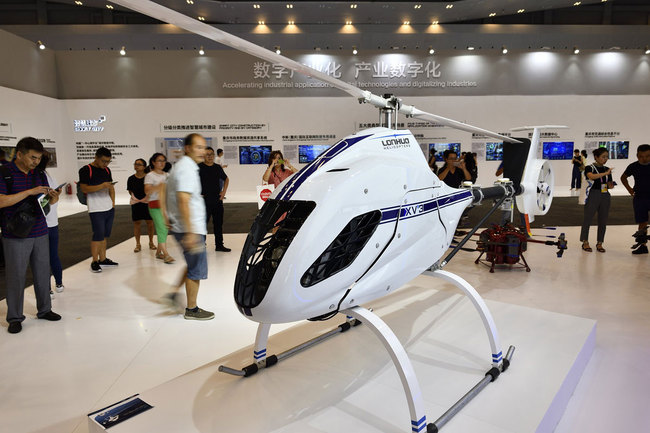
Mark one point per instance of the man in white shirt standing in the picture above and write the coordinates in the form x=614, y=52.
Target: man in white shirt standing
x=96, y=181
x=186, y=213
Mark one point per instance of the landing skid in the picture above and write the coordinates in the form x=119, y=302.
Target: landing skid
x=358, y=315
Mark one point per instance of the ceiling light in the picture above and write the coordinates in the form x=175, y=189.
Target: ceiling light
x=576, y=50
x=348, y=23
x=407, y=23
x=470, y=48
x=256, y=6
x=292, y=22
x=77, y=2
x=260, y=23
x=201, y=18
x=493, y=14
x=41, y=45
x=504, y=50
x=354, y=50
x=201, y=52
x=289, y=6
x=521, y=10
x=434, y=22
x=603, y=1
x=109, y=6
x=190, y=2
x=431, y=50
x=277, y=50
x=577, y=3
x=123, y=51
x=449, y=6
x=353, y=6
x=417, y=6
x=647, y=50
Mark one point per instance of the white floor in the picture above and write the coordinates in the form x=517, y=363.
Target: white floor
x=115, y=339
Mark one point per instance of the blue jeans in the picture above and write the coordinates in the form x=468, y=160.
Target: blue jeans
x=55, y=263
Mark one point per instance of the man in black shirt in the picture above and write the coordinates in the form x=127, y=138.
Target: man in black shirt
x=640, y=170
x=211, y=176
x=454, y=172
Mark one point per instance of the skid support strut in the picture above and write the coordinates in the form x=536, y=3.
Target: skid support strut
x=264, y=361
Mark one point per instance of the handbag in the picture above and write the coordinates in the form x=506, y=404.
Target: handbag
x=23, y=219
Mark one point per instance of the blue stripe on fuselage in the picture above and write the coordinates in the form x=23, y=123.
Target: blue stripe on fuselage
x=299, y=178
x=391, y=214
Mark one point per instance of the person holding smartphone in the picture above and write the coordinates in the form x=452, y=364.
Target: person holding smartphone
x=599, y=182
x=278, y=169
x=454, y=172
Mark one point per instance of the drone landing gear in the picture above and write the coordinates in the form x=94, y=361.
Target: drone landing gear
x=264, y=361
x=358, y=315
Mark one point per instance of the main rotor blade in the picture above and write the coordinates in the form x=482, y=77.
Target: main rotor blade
x=162, y=13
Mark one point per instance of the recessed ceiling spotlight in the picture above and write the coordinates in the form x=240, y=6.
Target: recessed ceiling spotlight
x=521, y=11
x=201, y=52
x=493, y=14
x=123, y=51
x=431, y=50
x=348, y=23
x=504, y=50
x=189, y=2
x=470, y=48
x=291, y=22
x=289, y=6
x=41, y=45
x=261, y=23
x=256, y=6
x=109, y=6
x=201, y=18
x=576, y=50
x=603, y=1
x=354, y=50
x=78, y=3
x=434, y=22
x=406, y=23
x=277, y=50
x=647, y=50
x=417, y=6
x=577, y=3
x=353, y=6
x=449, y=6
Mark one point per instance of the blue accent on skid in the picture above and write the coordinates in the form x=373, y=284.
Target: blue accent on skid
x=299, y=178
x=497, y=357
x=391, y=214
x=418, y=426
x=260, y=354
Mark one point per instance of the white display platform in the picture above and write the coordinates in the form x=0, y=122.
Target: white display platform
x=348, y=383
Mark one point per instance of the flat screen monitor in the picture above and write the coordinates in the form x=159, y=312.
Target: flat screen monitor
x=254, y=154
x=309, y=152
x=617, y=149
x=440, y=148
x=557, y=150
x=494, y=151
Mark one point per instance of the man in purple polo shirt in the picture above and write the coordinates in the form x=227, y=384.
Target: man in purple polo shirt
x=25, y=184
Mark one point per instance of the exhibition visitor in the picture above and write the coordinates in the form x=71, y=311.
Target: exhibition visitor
x=186, y=211
x=220, y=159
x=576, y=162
x=96, y=182
x=453, y=172
x=52, y=219
x=214, y=184
x=154, y=187
x=278, y=170
x=25, y=239
x=432, y=162
x=139, y=204
x=640, y=171
x=599, y=182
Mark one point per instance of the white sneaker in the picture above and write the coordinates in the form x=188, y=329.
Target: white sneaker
x=60, y=288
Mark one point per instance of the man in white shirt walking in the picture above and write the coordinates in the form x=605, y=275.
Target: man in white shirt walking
x=186, y=213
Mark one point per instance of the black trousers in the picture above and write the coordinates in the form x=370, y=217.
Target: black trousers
x=214, y=210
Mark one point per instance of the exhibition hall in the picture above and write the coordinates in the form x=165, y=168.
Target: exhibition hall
x=281, y=216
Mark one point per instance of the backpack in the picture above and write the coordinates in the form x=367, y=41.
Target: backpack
x=81, y=196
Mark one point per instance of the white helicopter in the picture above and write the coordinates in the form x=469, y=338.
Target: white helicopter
x=361, y=220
